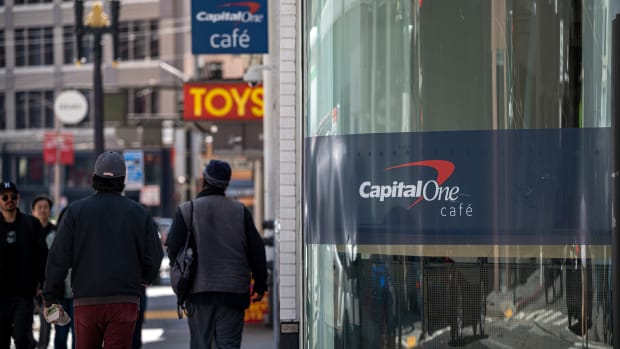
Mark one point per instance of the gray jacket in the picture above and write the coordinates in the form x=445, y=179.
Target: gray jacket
x=221, y=245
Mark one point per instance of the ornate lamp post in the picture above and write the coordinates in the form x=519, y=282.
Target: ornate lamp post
x=97, y=24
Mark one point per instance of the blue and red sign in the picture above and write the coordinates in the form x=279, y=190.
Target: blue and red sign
x=231, y=27
x=550, y=186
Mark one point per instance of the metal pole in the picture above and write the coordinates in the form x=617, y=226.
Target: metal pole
x=98, y=91
x=615, y=120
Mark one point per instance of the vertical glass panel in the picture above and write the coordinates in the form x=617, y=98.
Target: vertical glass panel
x=123, y=38
x=457, y=173
x=154, y=39
x=48, y=46
x=20, y=47
x=139, y=40
x=20, y=110
x=48, y=109
x=35, y=46
x=68, y=43
x=34, y=110
x=2, y=112
x=2, y=49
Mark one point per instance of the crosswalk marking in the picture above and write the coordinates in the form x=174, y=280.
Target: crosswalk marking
x=533, y=314
x=543, y=315
x=561, y=322
x=551, y=317
x=152, y=335
x=159, y=291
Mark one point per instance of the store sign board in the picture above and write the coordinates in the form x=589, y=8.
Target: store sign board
x=550, y=186
x=222, y=101
x=231, y=27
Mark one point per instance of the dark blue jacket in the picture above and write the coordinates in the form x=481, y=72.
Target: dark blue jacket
x=112, y=245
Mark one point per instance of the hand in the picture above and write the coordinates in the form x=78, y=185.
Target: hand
x=258, y=296
x=54, y=317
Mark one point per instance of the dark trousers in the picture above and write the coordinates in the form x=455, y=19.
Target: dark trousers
x=62, y=332
x=215, y=321
x=45, y=328
x=136, y=342
x=112, y=324
x=16, y=322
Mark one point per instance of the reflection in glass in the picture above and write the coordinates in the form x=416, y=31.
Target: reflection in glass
x=418, y=66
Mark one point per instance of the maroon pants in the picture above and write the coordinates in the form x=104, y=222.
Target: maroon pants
x=109, y=326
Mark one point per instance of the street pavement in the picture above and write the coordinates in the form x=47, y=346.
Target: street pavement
x=163, y=330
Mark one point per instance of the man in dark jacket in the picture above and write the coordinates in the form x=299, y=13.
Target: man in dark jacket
x=229, y=252
x=22, y=268
x=41, y=210
x=111, y=244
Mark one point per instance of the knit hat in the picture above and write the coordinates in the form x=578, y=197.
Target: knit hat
x=217, y=173
x=8, y=186
x=110, y=164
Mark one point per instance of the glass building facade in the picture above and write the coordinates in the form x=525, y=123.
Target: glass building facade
x=457, y=173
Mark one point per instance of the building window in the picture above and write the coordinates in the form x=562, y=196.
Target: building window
x=2, y=113
x=143, y=100
x=28, y=2
x=70, y=47
x=138, y=40
x=154, y=38
x=2, y=48
x=34, y=46
x=34, y=109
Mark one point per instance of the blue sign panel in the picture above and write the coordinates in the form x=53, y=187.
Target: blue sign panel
x=134, y=161
x=550, y=186
x=229, y=26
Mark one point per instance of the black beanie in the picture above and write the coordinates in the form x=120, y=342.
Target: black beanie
x=217, y=173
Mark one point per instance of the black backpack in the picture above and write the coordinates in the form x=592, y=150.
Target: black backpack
x=183, y=267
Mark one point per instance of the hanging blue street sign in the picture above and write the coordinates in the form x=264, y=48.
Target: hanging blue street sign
x=229, y=26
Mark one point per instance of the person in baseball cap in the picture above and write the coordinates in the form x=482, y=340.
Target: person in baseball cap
x=110, y=165
x=103, y=229
x=9, y=195
x=109, y=172
x=8, y=186
x=22, y=266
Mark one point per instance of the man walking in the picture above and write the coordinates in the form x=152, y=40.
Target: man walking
x=41, y=210
x=22, y=268
x=229, y=252
x=112, y=247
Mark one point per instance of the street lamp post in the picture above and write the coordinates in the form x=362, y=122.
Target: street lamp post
x=97, y=24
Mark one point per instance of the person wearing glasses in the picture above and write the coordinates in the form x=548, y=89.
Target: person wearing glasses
x=23, y=254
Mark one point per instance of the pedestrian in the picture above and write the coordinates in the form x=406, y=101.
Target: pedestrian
x=41, y=210
x=22, y=268
x=62, y=332
x=229, y=251
x=112, y=247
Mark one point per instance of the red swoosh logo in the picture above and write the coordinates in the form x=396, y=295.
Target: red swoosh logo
x=444, y=171
x=251, y=5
